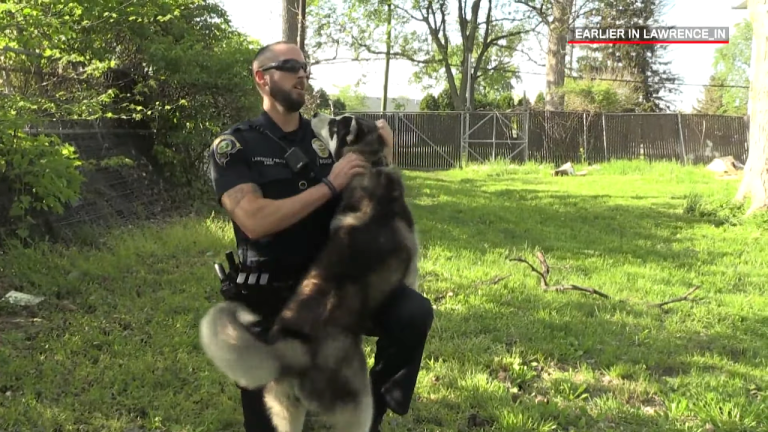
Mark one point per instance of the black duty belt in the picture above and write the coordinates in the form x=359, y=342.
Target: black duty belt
x=242, y=277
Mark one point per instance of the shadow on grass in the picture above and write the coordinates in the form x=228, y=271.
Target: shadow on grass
x=566, y=360
x=466, y=214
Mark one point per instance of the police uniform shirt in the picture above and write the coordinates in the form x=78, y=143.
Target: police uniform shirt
x=246, y=154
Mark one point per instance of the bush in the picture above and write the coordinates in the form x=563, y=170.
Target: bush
x=41, y=173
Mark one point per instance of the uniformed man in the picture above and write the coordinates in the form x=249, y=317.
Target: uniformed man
x=282, y=217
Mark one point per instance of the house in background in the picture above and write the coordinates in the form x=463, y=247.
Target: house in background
x=393, y=104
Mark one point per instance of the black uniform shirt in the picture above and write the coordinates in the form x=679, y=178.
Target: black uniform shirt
x=245, y=154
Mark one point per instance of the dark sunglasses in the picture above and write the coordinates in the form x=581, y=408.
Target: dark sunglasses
x=287, y=65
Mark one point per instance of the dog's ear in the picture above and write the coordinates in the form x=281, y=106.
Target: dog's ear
x=352, y=137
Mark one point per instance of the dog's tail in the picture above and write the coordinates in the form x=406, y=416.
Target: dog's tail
x=236, y=351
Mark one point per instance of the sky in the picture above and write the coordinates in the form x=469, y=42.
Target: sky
x=693, y=63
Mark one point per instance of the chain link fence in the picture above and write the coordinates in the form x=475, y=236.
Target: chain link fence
x=116, y=193
x=442, y=140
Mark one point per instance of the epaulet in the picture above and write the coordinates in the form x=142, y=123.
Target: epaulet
x=243, y=125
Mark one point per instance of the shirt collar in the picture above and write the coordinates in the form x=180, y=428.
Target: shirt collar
x=273, y=128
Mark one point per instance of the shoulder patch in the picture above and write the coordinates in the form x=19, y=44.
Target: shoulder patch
x=223, y=146
x=320, y=148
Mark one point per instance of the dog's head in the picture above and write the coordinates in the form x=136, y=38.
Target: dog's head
x=348, y=133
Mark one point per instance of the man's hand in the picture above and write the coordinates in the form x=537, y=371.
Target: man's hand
x=347, y=167
x=389, y=138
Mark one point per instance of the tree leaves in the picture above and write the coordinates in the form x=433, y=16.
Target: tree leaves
x=176, y=65
x=439, y=36
x=731, y=68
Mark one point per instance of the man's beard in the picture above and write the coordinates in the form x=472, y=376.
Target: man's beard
x=285, y=97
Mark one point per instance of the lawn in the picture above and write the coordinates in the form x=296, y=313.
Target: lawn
x=113, y=347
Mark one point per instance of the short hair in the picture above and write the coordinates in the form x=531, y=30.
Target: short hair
x=264, y=52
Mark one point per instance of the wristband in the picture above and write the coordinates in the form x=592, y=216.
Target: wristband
x=330, y=185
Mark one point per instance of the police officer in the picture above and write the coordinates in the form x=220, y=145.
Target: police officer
x=281, y=209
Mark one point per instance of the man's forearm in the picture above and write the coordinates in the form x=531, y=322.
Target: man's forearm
x=260, y=217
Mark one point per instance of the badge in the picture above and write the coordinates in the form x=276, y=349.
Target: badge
x=224, y=146
x=320, y=148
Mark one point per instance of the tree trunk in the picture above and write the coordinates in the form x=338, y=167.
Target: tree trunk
x=302, y=26
x=755, y=182
x=387, y=57
x=291, y=11
x=556, y=52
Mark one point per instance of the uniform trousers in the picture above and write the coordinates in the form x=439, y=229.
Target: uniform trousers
x=401, y=325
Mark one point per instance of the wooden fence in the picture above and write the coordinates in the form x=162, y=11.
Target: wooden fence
x=443, y=140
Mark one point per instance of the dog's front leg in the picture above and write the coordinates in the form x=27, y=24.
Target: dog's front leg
x=355, y=417
x=285, y=409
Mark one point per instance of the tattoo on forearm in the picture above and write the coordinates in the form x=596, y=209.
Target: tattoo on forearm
x=234, y=197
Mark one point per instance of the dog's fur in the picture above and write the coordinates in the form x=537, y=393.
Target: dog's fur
x=313, y=357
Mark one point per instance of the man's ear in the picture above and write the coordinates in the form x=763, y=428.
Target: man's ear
x=260, y=78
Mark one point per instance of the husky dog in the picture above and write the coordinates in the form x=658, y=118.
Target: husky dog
x=312, y=358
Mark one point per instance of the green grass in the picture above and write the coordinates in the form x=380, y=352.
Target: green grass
x=114, y=345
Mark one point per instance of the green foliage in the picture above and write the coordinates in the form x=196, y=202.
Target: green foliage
x=429, y=103
x=731, y=68
x=599, y=95
x=718, y=211
x=41, y=172
x=338, y=106
x=319, y=101
x=352, y=99
x=643, y=64
x=484, y=101
x=712, y=102
x=117, y=347
x=323, y=100
x=423, y=35
x=398, y=104
x=445, y=100
x=540, y=101
x=174, y=66
x=490, y=102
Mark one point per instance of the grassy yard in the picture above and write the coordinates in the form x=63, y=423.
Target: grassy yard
x=114, y=345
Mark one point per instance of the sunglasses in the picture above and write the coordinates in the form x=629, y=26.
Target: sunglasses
x=288, y=65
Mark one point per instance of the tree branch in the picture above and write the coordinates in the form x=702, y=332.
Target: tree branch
x=530, y=59
x=543, y=275
x=370, y=50
x=539, y=11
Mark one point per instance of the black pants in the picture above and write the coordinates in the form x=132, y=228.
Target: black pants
x=401, y=324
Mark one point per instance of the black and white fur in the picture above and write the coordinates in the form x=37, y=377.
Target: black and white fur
x=312, y=358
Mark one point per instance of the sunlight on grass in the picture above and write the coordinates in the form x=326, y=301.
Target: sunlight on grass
x=114, y=344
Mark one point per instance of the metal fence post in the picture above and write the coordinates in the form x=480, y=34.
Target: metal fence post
x=605, y=139
x=465, y=139
x=584, y=138
x=527, y=122
x=493, y=148
x=682, y=141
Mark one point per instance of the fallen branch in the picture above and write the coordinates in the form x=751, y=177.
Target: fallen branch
x=544, y=277
x=546, y=286
x=682, y=298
